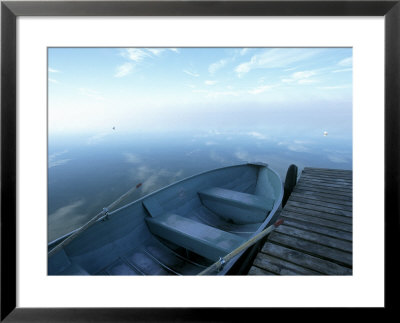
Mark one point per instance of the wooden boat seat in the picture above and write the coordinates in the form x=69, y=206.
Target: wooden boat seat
x=202, y=239
x=237, y=207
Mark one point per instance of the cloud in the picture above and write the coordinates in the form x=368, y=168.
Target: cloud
x=216, y=94
x=53, y=161
x=260, y=89
x=296, y=145
x=194, y=74
x=302, y=77
x=52, y=70
x=209, y=82
x=91, y=93
x=58, y=162
x=156, y=51
x=244, y=51
x=257, y=135
x=343, y=70
x=335, y=87
x=123, y=70
x=217, y=157
x=53, y=81
x=153, y=179
x=65, y=219
x=337, y=159
x=214, y=67
x=131, y=158
x=66, y=210
x=134, y=54
x=97, y=138
x=275, y=58
x=242, y=155
x=346, y=62
x=307, y=81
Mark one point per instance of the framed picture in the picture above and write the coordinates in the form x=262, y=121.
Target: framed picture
x=40, y=34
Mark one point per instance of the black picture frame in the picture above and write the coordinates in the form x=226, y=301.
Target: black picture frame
x=10, y=10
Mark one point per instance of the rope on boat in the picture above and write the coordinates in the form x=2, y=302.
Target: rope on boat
x=92, y=221
x=217, y=266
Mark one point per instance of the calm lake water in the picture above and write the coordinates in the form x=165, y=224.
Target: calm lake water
x=88, y=172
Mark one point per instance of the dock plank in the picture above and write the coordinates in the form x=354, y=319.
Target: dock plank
x=326, y=185
x=343, y=199
x=323, y=215
x=314, y=207
x=312, y=248
x=316, y=170
x=316, y=236
x=311, y=220
x=324, y=189
x=314, y=190
x=321, y=202
x=327, y=179
x=305, y=260
x=258, y=271
x=317, y=228
x=281, y=267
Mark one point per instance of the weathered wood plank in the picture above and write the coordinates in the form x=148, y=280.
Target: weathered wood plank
x=258, y=271
x=324, y=189
x=328, y=170
x=322, y=215
x=317, y=228
x=314, y=207
x=304, y=260
x=313, y=188
x=328, y=178
x=316, y=237
x=348, y=200
x=319, y=202
x=320, y=198
x=313, y=249
x=328, y=173
x=326, y=186
x=330, y=185
x=281, y=267
x=307, y=219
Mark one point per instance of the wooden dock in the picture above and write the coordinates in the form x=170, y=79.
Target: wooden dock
x=316, y=236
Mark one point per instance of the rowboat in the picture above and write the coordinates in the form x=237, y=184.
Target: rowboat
x=181, y=229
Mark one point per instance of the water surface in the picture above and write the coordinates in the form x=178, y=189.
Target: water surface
x=88, y=172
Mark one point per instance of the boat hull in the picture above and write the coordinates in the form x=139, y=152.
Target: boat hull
x=180, y=229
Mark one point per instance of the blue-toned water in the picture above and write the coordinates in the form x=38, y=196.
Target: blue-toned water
x=88, y=172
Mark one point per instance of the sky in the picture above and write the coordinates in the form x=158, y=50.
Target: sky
x=91, y=90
